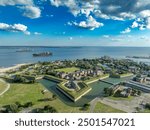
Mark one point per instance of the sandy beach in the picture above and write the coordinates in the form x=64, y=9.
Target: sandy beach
x=3, y=70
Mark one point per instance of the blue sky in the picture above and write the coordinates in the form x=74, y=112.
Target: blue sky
x=75, y=22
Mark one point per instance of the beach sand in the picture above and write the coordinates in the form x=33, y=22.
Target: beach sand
x=3, y=70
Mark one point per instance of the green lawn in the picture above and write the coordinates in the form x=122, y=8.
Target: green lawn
x=121, y=98
x=32, y=92
x=102, y=108
x=68, y=70
x=2, y=86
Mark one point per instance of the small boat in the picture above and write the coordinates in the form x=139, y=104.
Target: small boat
x=43, y=54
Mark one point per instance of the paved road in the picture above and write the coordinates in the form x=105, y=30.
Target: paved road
x=6, y=89
x=93, y=104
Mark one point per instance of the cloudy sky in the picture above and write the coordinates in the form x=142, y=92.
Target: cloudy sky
x=75, y=22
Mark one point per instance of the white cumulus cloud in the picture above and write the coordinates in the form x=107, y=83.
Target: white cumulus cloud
x=127, y=30
x=27, y=6
x=145, y=13
x=148, y=23
x=16, y=2
x=14, y=28
x=109, y=9
x=31, y=12
x=135, y=24
x=90, y=23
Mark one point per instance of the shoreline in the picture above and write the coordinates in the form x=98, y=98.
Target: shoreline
x=4, y=70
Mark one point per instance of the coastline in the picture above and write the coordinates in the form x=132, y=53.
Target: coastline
x=4, y=70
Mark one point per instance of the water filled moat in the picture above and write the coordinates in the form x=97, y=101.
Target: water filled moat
x=97, y=91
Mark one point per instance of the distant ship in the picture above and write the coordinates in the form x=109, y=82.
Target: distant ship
x=24, y=50
x=43, y=54
x=138, y=57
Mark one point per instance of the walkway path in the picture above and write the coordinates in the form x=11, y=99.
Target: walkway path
x=93, y=104
x=7, y=87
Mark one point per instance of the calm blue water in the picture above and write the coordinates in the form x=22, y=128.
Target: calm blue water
x=9, y=56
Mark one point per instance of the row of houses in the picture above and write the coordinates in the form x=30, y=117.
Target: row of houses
x=142, y=79
x=77, y=75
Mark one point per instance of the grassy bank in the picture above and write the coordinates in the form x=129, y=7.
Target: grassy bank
x=102, y=108
x=126, y=75
x=55, y=79
x=94, y=79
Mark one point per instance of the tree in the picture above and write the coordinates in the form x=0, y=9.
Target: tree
x=12, y=108
x=18, y=104
x=28, y=104
x=108, y=91
x=85, y=107
x=54, y=96
x=118, y=93
x=49, y=109
x=147, y=106
x=46, y=109
x=139, y=92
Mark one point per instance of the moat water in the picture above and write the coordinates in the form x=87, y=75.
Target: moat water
x=97, y=91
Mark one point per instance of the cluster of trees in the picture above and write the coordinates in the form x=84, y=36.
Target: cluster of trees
x=108, y=91
x=46, y=109
x=85, y=107
x=136, y=92
x=16, y=107
x=54, y=97
x=85, y=78
x=23, y=79
x=114, y=75
x=118, y=94
x=123, y=64
x=147, y=106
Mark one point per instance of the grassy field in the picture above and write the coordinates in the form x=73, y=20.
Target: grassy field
x=2, y=86
x=102, y=108
x=32, y=92
x=68, y=70
x=121, y=98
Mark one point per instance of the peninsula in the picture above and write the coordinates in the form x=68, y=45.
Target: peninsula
x=77, y=85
